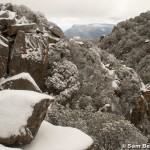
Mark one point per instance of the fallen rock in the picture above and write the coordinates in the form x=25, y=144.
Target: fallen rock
x=22, y=81
x=13, y=29
x=57, y=32
x=51, y=39
x=29, y=108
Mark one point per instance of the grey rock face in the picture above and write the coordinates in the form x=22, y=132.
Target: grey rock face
x=129, y=41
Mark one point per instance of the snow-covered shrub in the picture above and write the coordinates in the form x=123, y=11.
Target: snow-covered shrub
x=108, y=130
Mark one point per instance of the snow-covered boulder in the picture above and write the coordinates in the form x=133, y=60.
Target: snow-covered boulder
x=52, y=137
x=22, y=81
x=21, y=114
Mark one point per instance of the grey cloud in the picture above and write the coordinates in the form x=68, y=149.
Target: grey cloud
x=86, y=11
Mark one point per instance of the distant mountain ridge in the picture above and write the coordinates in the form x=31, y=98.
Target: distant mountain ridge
x=89, y=31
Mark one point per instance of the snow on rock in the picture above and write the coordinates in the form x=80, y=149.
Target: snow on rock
x=144, y=87
x=8, y=148
x=147, y=40
x=26, y=27
x=51, y=39
x=7, y=18
x=12, y=83
x=21, y=113
x=134, y=75
x=7, y=14
x=111, y=73
x=35, y=50
x=2, y=42
x=148, y=86
x=52, y=137
x=115, y=84
x=78, y=41
x=30, y=54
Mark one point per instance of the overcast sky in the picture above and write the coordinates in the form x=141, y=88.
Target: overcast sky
x=67, y=12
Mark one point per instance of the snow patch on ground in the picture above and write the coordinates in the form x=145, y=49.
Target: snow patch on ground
x=16, y=106
x=52, y=137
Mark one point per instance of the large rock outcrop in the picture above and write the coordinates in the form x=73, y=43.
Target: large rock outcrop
x=24, y=39
x=129, y=41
